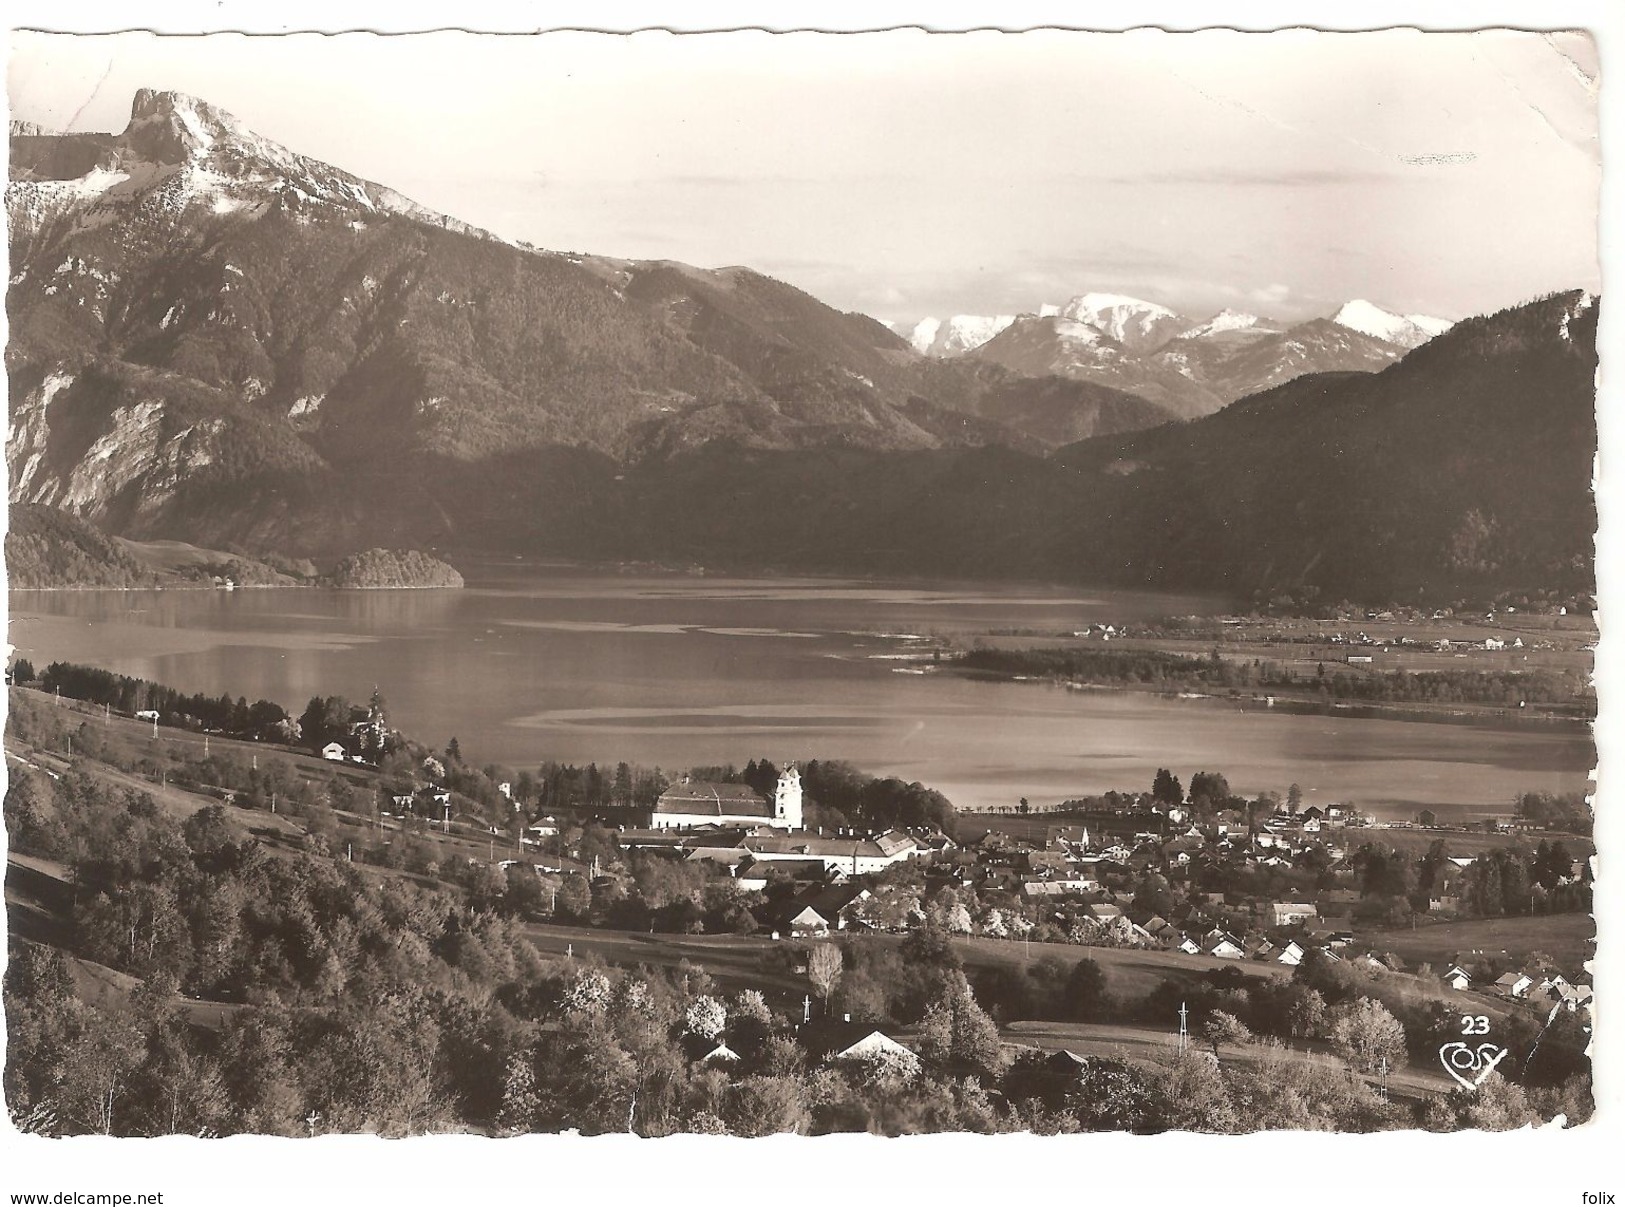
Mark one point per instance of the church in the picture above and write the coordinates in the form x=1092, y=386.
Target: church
x=691, y=802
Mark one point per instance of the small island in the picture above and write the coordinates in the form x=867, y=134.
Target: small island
x=380, y=569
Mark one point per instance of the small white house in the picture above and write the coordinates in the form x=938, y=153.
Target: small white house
x=1456, y=977
x=333, y=752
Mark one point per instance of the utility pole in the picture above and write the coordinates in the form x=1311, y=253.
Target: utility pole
x=1183, y=1035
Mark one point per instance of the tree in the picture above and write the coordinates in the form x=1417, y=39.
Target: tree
x=588, y=994
x=520, y=1102
x=1305, y=1012
x=958, y=1032
x=1086, y=997
x=325, y=719
x=1166, y=787
x=824, y=963
x=1209, y=789
x=1365, y=1035
x=705, y=1017
x=1294, y=795
x=1222, y=1028
x=1152, y=896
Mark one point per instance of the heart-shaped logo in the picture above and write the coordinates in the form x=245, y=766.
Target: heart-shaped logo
x=1469, y=1065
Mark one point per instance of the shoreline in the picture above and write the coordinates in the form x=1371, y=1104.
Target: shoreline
x=1485, y=718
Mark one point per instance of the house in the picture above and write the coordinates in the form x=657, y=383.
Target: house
x=1512, y=984
x=1290, y=913
x=850, y=853
x=147, y=714
x=845, y=1041
x=837, y=904
x=1065, y=1063
x=751, y=874
x=1218, y=943
x=333, y=752
x=794, y=918
x=720, y=1054
x=1456, y=977
x=1291, y=955
x=690, y=802
x=1188, y=946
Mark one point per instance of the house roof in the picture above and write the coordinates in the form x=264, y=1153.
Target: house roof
x=795, y=869
x=815, y=846
x=893, y=841
x=709, y=799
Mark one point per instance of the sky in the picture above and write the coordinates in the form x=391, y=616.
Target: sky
x=907, y=174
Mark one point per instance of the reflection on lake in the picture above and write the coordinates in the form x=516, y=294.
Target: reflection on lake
x=675, y=671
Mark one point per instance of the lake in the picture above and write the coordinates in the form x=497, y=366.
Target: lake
x=533, y=663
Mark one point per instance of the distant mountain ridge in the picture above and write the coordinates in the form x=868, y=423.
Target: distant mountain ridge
x=1191, y=367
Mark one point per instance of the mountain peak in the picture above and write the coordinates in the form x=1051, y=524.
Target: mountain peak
x=172, y=127
x=958, y=333
x=1406, y=330
x=1136, y=324
x=1230, y=320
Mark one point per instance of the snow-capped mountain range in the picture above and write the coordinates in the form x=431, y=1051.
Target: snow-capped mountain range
x=1194, y=367
x=1142, y=326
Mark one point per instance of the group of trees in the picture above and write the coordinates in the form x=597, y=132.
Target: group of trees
x=261, y=719
x=1565, y=811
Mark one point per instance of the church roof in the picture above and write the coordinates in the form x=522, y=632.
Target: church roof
x=717, y=800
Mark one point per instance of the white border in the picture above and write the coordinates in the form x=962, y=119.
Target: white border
x=1547, y=1167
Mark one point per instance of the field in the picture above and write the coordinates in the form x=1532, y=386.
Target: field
x=1567, y=938
x=1111, y=1039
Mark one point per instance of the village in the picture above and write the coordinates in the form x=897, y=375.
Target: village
x=1147, y=874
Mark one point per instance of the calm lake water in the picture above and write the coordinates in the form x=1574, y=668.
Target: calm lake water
x=533, y=664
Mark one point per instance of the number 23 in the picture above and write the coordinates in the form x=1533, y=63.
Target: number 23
x=1475, y=1024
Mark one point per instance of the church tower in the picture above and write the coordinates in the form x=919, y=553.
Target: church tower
x=787, y=798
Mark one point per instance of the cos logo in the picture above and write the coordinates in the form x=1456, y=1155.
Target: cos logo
x=1470, y=1065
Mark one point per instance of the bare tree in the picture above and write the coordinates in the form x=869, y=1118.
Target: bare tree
x=824, y=969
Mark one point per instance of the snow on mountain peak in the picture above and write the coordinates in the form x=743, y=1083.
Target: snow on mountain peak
x=1406, y=330
x=957, y=334
x=1227, y=320
x=1138, y=325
